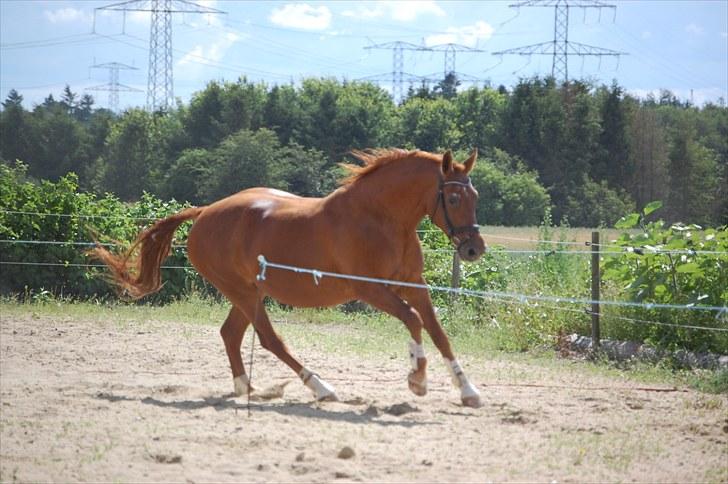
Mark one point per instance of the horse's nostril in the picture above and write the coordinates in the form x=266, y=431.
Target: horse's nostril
x=471, y=252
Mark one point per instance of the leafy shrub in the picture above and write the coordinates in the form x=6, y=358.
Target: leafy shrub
x=59, y=213
x=661, y=264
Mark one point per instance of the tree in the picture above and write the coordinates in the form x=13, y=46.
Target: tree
x=132, y=149
x=185, y=177
x=478, y=114
x=648, y=154
x=243, y=106
x=508, y=195
x=14, y=142
x=283, y=112
x=243, y=160
x=85, y=108
x=68, y=100
x=203, y=121
x=694, y=175
x=448, y=87
x=613, y=163
x=429, y=124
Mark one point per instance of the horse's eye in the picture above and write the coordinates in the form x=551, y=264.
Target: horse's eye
x=454, y=199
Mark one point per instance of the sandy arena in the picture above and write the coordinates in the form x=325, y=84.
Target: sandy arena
x=92, y=400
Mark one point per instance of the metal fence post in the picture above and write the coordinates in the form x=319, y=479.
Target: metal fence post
x=595, y=281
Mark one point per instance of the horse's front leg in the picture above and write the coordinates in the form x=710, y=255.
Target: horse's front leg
x=420, y=300
x=385, y=300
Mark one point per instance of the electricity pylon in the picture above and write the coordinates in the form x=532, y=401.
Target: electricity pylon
x=160, y=82
x=398, y=75
x=450, y=51
x=114, y=87
x=561, y=47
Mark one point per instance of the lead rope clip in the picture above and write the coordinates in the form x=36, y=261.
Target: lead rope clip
x=263, y=266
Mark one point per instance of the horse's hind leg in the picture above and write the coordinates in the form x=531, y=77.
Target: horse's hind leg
x=232, y=333
x=270, y=340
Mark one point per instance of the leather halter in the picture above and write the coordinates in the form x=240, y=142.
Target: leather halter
x=452, y=230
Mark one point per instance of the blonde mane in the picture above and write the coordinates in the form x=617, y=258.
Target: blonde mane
x=374, y=159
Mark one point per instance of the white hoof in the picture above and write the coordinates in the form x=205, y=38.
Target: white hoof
x=241, y=384
x=470, y=396
x=322, y=391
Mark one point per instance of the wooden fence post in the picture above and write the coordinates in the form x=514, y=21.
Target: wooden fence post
x=455, y=280
x=595, y=281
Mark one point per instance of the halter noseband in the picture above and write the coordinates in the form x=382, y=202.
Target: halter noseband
x=452, y=230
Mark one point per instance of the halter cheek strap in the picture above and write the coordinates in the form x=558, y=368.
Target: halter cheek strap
x=452, y=230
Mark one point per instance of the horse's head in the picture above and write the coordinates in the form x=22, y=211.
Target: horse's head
x=455, y=207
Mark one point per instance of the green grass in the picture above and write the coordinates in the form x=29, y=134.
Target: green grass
x=366, y=333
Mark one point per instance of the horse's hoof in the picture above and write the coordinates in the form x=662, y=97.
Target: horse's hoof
x=241, y=384
x=331, y=397
x=472, y=401
x=417, y=387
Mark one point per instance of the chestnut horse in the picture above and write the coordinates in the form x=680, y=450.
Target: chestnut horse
x=366, y=227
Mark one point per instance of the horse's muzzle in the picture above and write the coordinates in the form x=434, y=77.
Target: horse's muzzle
x=471, y=248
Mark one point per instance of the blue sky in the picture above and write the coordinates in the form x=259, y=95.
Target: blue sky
x=677, y=45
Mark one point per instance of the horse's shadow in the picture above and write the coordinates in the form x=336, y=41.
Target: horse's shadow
x=313, y=410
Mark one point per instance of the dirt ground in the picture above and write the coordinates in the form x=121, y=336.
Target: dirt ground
x=91, y=400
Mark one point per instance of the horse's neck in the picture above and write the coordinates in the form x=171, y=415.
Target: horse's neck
x=396, y=193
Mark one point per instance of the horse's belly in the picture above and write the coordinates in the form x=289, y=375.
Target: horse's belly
x=303, y=290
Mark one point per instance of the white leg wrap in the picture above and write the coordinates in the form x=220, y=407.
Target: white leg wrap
x=415, y=351
x=241, y=385
x=456, y=373
x=467, y=389
x=321, y=389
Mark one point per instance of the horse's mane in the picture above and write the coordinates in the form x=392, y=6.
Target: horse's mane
x=374, y=159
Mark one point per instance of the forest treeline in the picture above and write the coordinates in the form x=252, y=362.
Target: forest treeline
x=588, y=153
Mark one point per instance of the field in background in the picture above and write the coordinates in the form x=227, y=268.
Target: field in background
x=508, y=236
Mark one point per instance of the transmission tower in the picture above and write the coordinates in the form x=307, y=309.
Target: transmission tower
x=450, y=51
x=398, y=75
x=561, y=47
x=114, y=87
x=160, y=92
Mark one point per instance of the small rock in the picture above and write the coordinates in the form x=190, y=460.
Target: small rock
x=346, y=453
x=167, y=458
x=300, y=457
x=426, y=462
x=400, y=409
x=341, y=475
x=372, y=411
x=263, y=467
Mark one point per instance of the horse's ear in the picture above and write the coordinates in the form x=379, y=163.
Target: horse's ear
x=447, y=162
x=470, y=162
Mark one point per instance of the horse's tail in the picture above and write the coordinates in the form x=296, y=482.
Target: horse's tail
x=137, y=272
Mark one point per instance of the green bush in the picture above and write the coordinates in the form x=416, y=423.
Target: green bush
x=59, y=213
x=646, y=271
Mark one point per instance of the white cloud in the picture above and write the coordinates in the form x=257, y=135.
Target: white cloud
x=693, y=28
x=468, y=35
x=302, y=16
x=68, y=14
x=402, y=11
x=213, y=52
